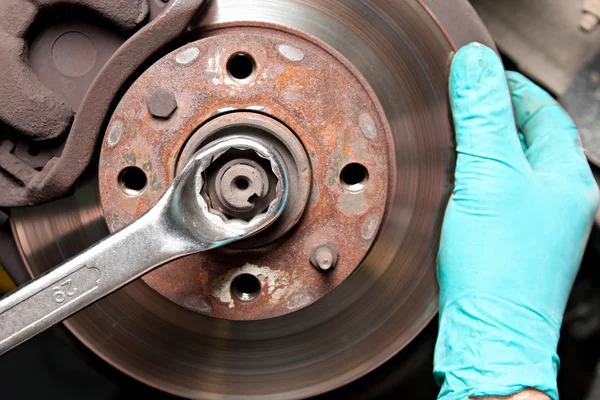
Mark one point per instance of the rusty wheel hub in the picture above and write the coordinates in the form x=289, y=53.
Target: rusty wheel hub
x=275, y=86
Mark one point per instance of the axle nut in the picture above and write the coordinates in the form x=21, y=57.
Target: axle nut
x=240, y=184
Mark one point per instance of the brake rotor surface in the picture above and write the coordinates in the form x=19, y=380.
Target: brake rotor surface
x=403, y=54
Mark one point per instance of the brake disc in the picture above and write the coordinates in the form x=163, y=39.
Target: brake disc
x=354, y=94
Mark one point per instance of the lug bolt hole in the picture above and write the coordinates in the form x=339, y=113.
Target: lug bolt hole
x=354, y=177
x=241, y=66
x=245, y=287
x=133, y=181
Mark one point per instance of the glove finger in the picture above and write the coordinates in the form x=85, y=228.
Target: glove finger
x=25, y=104
x=551, y=136
x=482, y=110
x=127, y=14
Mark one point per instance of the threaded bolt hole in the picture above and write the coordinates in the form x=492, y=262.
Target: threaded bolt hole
x=354, y=177
x=245, y=287
x=241, y=66
x=133, y=181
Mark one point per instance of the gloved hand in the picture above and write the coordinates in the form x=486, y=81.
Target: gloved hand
x=25, y=104
x=514, y=232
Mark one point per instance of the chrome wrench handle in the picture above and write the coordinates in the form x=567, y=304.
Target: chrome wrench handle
x=179, y=224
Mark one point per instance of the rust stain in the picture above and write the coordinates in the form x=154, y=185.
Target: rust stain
x=115, y=132
x=187, y=56
x=370, y=226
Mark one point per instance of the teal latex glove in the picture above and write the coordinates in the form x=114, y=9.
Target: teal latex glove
x=514, y=232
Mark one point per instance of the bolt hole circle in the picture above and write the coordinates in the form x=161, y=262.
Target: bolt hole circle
x=133, y=181
x=241, y=66
x=354, y=177
x=245, y=287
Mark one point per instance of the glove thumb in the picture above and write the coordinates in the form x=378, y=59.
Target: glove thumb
x=486, y=135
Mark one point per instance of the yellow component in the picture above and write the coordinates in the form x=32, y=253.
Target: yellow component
x=6, y=284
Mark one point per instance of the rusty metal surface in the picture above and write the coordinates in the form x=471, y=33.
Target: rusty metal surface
x=403, y=54
x=310, y=91
x=60, y=173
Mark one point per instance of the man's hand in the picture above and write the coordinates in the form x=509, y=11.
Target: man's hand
x=514, y=232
